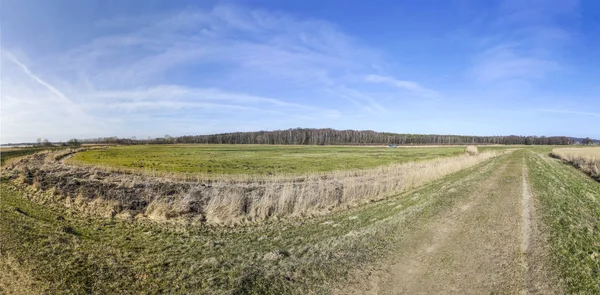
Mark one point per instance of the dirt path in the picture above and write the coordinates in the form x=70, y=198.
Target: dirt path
x=486, y=244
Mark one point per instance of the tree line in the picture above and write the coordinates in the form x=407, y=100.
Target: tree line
x=305, y=136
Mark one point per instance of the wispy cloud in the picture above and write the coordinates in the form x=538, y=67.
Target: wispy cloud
x=37, y=79
x=411, y=86
x=246, y=44
x=187, y=70
x=178, y=97
x=504, y=62
x=228, y=64
x=523, y=42
x=33, y=107
x=572, y=112
x=364, y=102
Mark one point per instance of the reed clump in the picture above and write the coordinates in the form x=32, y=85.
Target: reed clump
x=587, y=159
x=471, y=150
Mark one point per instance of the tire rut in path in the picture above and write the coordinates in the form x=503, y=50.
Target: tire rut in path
x=539, y=277
x=482, y=245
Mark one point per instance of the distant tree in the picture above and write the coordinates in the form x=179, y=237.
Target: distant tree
x=301, y=136
x=46, y=142
x=38, y=141
x=587, y=141
x=73, y=142
x=529, y=140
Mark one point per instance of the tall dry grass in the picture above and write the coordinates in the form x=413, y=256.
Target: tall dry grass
x=471, y=150
x=227, y=200
x=586, y=159
x=321, y=194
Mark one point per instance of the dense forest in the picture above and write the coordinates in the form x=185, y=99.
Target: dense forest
x=302, y=136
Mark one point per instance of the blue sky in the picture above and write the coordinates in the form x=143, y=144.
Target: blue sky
x=149, y=68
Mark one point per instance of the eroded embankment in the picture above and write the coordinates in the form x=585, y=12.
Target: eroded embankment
x=101, y=192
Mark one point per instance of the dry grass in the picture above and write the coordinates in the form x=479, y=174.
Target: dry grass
x=110, y=256
x=471, y=150
x=14, y=279
x=321, y=194
x=586, y=159
x=226, y=200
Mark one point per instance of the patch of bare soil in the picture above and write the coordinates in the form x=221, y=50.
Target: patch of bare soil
x=487, y=243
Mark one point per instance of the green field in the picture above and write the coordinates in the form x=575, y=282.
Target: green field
x=255, y=159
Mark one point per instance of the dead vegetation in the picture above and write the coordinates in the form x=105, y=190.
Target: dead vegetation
x=471, y=150
x=289, y=256
x=586, y=159
x=222, y=200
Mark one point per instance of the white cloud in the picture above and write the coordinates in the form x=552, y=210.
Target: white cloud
x=523, y=41
x=33, y=107
x=411, y=86
x=572, y=112
x=177, y=97
x=503, y=62
x=363, y=101
x=213, y=69
x=51, y=88
x=247, y=43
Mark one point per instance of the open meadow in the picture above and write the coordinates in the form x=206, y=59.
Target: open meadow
x=256, y=159
x=90, y=221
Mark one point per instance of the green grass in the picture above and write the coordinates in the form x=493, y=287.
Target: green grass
x=570, y=210
x=78, y=254
x=255, y=159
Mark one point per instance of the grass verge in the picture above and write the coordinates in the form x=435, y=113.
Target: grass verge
x=570, y=209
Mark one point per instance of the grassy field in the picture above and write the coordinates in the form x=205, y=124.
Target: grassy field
x=255, y=159
x=50, y=248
